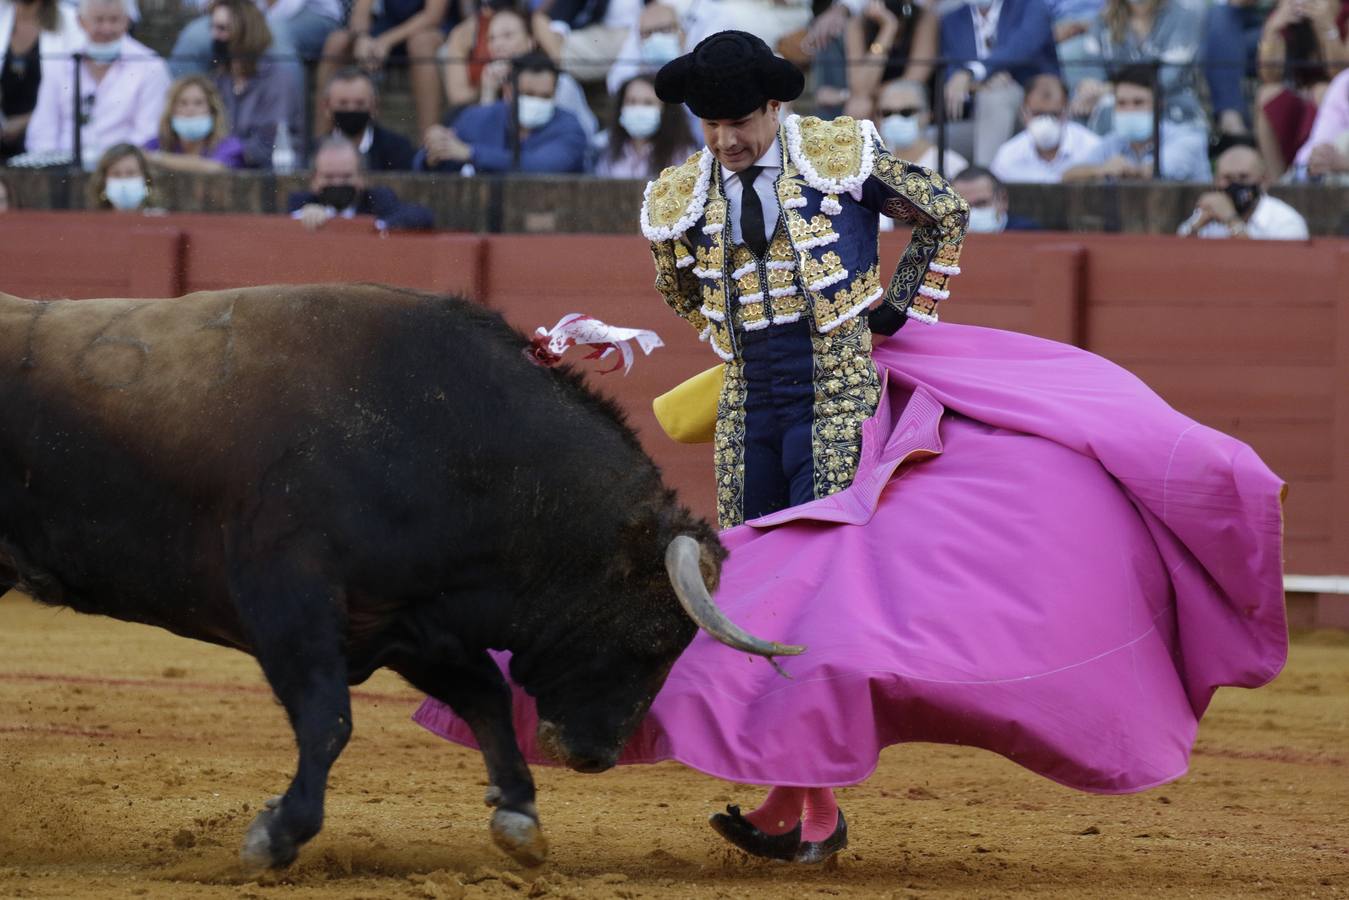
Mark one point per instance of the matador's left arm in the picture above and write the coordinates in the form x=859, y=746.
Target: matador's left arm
x=913, y=194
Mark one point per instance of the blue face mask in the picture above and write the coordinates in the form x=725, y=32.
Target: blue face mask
x=192, y=128
x=105, y=52
x=125, y=193
x=899, y=131
x=1134, y=126
x=659, y=48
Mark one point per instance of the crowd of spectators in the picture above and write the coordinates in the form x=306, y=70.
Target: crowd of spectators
x=1005, y=91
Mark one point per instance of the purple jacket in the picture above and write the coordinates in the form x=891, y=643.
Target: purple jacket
x=230, y=151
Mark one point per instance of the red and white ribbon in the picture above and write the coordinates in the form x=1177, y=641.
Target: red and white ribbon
x=548, y=344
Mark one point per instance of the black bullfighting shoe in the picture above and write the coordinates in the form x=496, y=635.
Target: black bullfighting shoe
x=812, y=852
x=742, y=832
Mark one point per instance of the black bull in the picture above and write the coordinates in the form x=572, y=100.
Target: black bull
x=341, y=478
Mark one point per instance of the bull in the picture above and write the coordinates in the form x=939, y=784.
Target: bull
x=338, y=479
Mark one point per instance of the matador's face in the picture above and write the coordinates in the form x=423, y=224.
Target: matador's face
x=738, y=143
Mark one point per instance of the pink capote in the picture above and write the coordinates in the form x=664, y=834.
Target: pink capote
x=1038, y=556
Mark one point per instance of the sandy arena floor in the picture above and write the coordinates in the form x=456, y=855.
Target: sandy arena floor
x=131, y=761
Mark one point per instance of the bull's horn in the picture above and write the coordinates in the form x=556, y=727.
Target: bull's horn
x=681, y=561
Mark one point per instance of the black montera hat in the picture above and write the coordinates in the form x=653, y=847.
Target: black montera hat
x=728, y=75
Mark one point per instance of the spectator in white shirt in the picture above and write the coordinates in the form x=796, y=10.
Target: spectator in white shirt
x=1240, y=208
x=123, y=86
x=1051, y=143
x=902, y=117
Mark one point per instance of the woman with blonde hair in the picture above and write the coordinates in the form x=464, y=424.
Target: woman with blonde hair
x=194, y=131
x=122, y=181
x=29, y=33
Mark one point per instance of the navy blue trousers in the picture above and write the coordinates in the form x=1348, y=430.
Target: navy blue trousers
x=779, y=368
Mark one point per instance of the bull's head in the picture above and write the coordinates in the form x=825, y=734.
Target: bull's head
x=587, y=714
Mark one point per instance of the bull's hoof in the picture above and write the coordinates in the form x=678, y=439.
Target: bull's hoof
x=262, y=849
x=520, y=837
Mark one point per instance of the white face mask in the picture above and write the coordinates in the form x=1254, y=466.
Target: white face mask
x=986, y=220
x=659, y=48
x=1045, y=131
x=535, y=111
x=899, y=131
x=125, y=193
x=640, y=121
x=103, y=53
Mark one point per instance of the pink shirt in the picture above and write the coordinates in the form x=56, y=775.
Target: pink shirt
x=125, y=107
x=1332, y=118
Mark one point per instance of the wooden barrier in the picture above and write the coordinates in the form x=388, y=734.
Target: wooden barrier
x=1248, y=337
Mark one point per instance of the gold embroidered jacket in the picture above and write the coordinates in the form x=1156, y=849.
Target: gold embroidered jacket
x=836, y=177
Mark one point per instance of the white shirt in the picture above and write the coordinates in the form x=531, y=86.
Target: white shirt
x=622, y=13
x=125, y=106
x=1272, y=220
x=1019, y=161
x=763, y=186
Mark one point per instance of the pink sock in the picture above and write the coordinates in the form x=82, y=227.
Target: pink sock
x=780, y=810
x=820, y=817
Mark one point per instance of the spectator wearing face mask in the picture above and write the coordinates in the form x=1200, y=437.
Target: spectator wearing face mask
x=194, y=131
x=1006, y=43
x=1325, y=155
x=645, y=136
x=509, y=37
x=657, y=38
x=337, y=190
x=122, y=89
x=987, y=197
x=1240, y=208
x=350, y=106
x=482, y=137
x=121, y=180
x=1051, y=143
x=1128, y=151
x=31, y=31
x=261, y=95
x=902, y=116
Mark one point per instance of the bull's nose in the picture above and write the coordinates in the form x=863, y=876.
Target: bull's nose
x=591, y=764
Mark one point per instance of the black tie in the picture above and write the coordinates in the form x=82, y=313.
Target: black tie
x=751, y=212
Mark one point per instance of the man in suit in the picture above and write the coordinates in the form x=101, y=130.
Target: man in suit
x=350, y=103
x=1005, y=43
x=987, y=197
x=550, y=139
x=337, y=190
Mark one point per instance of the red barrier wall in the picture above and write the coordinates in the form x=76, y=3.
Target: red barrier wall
x=1248, y=337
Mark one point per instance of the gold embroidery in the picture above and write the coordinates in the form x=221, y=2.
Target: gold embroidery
x=819, y=226
x=780, y=250
x=729, y=447
x=833, y=147
x=780, y=279
x=845, y=300
x=711, y=258
x=676, y=286
x=815, y=270
x=846, y=393
x=672, y=193
x=789, y=308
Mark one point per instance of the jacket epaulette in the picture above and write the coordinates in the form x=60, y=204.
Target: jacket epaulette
x=675, y=200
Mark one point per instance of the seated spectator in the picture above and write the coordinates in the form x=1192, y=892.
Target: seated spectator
x=1007, y=42
x=1325, y=155
x=593, y=32
x=1128, y=150
x=299, y=28
x=768, y=20
x=465, y=51
x=1232, y=32
x=337, y=190
x=509, y=37
x=122, y=181
x=1051, y=144
x=1240, y=208
x=1167, y=35
x=654, y=40
x=9, y=198
x=410, y=29
x=549, y=138
x=194, y=131
x=1302, y=41
x=260, y=95
x=987, y=197
x=350, y=105
x=890, y=40
x=645, y=135
x=903, y=118
x=29, y=33
x=1073, y=20
x=123, y=84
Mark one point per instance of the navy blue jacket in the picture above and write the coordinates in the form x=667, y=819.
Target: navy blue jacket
x=559, y=146
x=380, y=202
x=1024, y=45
